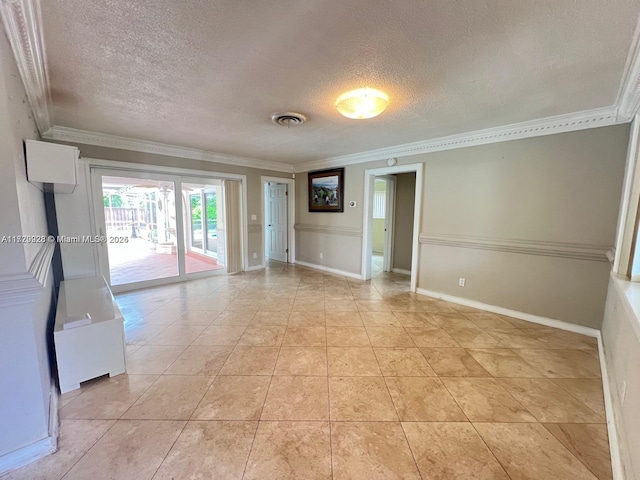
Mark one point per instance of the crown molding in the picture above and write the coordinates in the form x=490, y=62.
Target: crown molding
x=576, y=251
x=628, y=99
x=22, y=20
x=65, y=134
x=599, y=117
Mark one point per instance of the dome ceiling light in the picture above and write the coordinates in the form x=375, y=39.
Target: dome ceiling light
x=362, y=103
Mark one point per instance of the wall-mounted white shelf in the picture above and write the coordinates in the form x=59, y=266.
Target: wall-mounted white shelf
x=51, y=163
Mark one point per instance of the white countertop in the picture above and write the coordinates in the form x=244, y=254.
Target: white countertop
x=80, y=296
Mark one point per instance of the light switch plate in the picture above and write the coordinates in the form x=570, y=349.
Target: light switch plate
x=254, y=217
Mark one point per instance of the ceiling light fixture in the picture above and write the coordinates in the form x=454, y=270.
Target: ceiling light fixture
x=362, y=103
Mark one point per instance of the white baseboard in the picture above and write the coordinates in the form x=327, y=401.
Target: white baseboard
x=610, y=400
x=549, y=322
x=54, y=420
x=401, y=271
x=25, y=455
x=329, y=270
x=254, y=268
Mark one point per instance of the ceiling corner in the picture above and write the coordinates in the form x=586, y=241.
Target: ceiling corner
x=628, y=100
x=22, y=20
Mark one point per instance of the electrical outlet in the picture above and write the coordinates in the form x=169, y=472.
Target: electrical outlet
x=321, y=255
x=255, y=255
x=461, y=282
x=254, y=216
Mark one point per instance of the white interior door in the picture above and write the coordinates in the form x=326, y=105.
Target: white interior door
x=277, y=221
x=389, y=222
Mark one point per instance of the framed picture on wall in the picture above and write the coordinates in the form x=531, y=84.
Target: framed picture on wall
x=326, y=190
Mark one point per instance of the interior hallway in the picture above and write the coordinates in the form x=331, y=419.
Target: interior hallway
x=293, y=373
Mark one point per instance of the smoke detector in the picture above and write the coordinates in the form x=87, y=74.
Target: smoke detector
x=288, y=119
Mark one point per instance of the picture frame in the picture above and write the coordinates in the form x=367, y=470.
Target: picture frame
x=326, y=190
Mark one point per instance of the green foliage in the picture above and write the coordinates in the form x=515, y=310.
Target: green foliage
x=116, y=200
x=212, y=209
x=196, y=208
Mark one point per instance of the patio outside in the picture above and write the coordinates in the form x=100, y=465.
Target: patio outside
x=144, y=211
x=139, y=261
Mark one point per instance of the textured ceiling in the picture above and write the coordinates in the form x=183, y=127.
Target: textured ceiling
x=209, y=74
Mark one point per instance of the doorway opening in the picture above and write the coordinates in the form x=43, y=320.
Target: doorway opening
x=391, y=221
x=278, y=212
x=383, y=224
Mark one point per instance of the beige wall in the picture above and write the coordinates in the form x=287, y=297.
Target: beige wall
x=254, y=199
x=403, y=220
x=338, y=236
x=378, y=235
x=557, y=193
x=379, y=223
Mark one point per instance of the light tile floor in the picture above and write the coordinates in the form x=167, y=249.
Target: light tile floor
x=290, y=373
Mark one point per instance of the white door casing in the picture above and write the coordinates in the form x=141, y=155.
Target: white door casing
x=277, y=221
x=389, y=220
x=367, y=231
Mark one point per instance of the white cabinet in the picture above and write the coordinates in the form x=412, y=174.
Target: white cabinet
x=96, y=348
x=52, y=163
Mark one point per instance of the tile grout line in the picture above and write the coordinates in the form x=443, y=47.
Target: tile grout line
x=170, y=448
x=326, y=352
x=489, y=448
x=246, y=465
x=570, y=452
x=88, y=449
x=395, y=407
x=199, y=402
x=192, y=413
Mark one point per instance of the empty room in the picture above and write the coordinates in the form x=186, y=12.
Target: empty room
x=319, y=239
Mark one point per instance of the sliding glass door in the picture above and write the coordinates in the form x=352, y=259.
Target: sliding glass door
x=140, y=224
x=155, y=234
x=204, y=205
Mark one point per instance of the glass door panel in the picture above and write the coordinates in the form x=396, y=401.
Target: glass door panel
x=195, y=202
x=210, y=198
x=201, y=225
x=141, y=214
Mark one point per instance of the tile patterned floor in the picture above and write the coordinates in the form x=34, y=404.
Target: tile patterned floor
x=290, y=373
